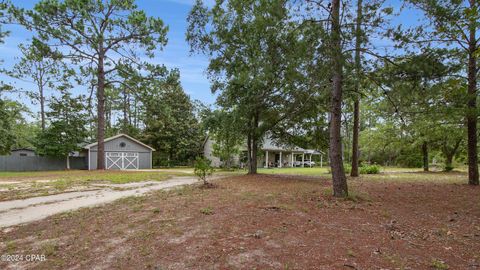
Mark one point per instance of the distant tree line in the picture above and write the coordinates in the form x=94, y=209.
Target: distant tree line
x=317, y=74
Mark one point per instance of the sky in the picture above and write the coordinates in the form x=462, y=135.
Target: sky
x=176, y=54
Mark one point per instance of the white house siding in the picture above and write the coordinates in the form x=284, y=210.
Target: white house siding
x=268, y=145
x=208, y=153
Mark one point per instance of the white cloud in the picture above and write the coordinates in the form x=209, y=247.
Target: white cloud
x=191, y=2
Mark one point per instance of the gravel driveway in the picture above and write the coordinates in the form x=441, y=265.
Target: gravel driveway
x=27, y=210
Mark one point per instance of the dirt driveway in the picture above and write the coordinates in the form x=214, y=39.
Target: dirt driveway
x=27, y=210
x=266, y=222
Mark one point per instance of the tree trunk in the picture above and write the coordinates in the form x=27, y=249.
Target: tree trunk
x=252, y=169
x=126, y=120
x=68, y=162
x=340, y=188
x=449, y=160
x=425, y=156
x=356, y=103
x=249, y=151
x=42, y=107
x=253, y=165
x=472, y=105
x=101, y=113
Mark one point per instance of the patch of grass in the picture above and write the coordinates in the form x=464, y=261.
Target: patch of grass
x=350, y=253
x=49, y=248
x=358, y=196
x=184, y=190
x=314, y=171
x=384, y=213
x=439, y=265
x=11, y=246
x=75, y=176
x=156, y=210
x=132, y=200
x=206, y=211
x=327, y=191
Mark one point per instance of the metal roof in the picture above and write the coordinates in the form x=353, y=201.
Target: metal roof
x=118, y=136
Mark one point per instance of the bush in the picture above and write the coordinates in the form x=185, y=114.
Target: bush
x=449, y=168
x=203, y=169
x=370, y=169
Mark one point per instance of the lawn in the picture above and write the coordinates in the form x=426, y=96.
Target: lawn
x=315, y=171
x=19, y=185
x=395, y=220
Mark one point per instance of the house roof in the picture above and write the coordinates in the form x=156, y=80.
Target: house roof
x=22, y=149
x=314, y=152
x=118, y=136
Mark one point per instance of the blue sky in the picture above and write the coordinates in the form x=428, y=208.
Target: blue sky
x=175, y=55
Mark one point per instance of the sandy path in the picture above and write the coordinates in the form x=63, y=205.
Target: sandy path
x=27, y=210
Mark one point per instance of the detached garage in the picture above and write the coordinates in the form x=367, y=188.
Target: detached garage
x=122, y=152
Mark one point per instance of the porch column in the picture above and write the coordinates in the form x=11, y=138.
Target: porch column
x=291, y=165
x=280, y=164
x=310, y=160
x=303, y=159
x=321, y=161
x=266, y=159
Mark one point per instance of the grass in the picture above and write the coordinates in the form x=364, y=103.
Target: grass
x=117, y=177
x=206, y=211
x=440, y=265
x=42, y=183
x=315, y=171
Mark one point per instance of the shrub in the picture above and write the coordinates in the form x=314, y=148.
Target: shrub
x=203, y=169
x=370, y=169
x=449, y=168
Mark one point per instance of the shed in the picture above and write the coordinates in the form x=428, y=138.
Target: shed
x=22, y=152
x=122, y=152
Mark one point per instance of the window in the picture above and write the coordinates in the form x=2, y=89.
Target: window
x=123, y=144
x=23, y=154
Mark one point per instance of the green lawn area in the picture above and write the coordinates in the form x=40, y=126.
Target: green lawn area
x=315, y=171
x=392, y=174
x=117, y=177
x=19, y=185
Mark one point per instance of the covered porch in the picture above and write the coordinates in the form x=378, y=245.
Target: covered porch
x=274, y=158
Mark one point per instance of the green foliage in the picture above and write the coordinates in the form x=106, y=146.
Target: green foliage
x=172, y=127
x=46, y=73
x=67, y=129
x=7, y=139
x=258, y=76
x=439, y=265
x=448, y=168
x=206, y=211
x=224, y=132
x=203, y=169
x=12, y=124
x=370, y=169
x=105, y=39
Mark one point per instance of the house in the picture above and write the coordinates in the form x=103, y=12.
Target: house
x=272, y=154
x=122, y=152
x=23, y=152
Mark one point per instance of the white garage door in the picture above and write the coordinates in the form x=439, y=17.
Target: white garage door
x=121, y=161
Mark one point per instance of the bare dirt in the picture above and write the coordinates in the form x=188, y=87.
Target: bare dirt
x=264, y=222
x=16, y=212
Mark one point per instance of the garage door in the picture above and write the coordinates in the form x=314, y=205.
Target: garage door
x=121, y=161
